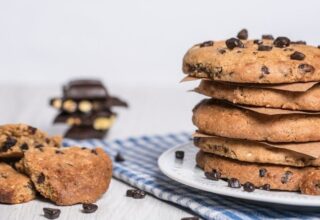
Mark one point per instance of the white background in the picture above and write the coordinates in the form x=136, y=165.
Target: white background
x=132, y=42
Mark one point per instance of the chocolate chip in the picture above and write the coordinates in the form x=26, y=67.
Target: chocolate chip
x=10, y=142
x=89, y=208
x=297, y=56
x=47, y=140
x=266, y=187
x=59, y=152
x=258, y=42
x=179, y=154
x=136, y=193
x=213, y=175
x=262, y=172
x=234, y=183
x=222, y=51
x=286, y=177
x=83, y=148
x=206, y=44
x=51, y=213
x=233, y=43
x=119, y=158
x=39, y=146
x=267, y=37
x=248, y=187
x=306, y=68
x=319, y=47
x=243, y=34
x=32, y=130
x=265, y=70
x=41, y=178
x=299, y=42
x=24, y=146
x=264, y=48
x=93, y=151
x=190, y=218
x=281, y=42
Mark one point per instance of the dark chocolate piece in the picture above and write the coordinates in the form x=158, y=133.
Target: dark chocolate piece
x=119, y=158
x=267, y=37
x=266, y=187
x=136, y=193
x=41, y=178
x=89, y=208
x=243, y=34
x=50, y=213
x=265, y=70
x=248, y=187
x=286, y=177
x=213, y=175
x=206, y=44
x=233, y=43
x=84, y=132
x=281, y=42
x=10, y=142
x=234, y=183
x=262, y=172
x=297, y=56
x=179, y=154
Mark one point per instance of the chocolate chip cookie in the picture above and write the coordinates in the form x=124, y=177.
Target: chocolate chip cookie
x=14, y=186
x=264, y=97
x=249, y=61
x=15, y=139
x=276, y=177
x=69, y=176
x=253, y=151
x=218, y=118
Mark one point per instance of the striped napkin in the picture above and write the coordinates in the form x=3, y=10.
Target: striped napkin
x=140, y=170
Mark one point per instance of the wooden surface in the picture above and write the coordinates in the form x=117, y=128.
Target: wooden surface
x=152, y=111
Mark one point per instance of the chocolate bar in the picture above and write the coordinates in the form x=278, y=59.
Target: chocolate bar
x=84, y=132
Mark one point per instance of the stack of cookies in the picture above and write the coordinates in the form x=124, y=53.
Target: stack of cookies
x=260, y=127
x=31, y=162
x=86, y=107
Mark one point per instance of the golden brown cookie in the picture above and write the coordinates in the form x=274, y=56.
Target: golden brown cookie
x=264, y=61
x=253, y=151
x=14, y=187
x=218, y=118
x=311, y=183
x=276, y=176
x=15, y=139
x=69, y=176
x=264, y=97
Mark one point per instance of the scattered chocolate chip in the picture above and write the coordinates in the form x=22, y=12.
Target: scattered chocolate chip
x=206, y=44
x=24, y=146
x=248, y=187
x=10, y=142
x=267, y=37
x=222, y=51
x=83, y=148
x=286, y=177
x=213, y=175
x=51, y=213
x=299, y=42
x=233, y=43
x=190, y=218
x=234, y=183
x=179, y=154
x=306, y=68
x=266, y=187
x=32, y=130
x=119, y=158
x=265, y=70
x=41, y=178
x=136, y=193
x=297, y=56
x=243, y=34
x=264, y=48
x=93, y=151
x=89, y=208
x=59, y=152
x=39, y=146
x=262, y=172
x=258, y=42
x=281, y=42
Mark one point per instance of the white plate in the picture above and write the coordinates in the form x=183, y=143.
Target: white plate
x=187, y=173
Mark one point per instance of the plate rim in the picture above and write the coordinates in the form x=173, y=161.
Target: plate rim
x=235, y=194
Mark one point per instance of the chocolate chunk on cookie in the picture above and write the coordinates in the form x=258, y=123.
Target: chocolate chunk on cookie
x=72, y=176
x=15, y=139
x=14, y=186
x=242, y=61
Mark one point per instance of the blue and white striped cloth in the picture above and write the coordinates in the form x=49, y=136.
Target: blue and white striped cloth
x=140, y=170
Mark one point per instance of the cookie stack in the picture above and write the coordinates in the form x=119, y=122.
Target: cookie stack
x=86, y=107
x=31, y=162
x=260, y=127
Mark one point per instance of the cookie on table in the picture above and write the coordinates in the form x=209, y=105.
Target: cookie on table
x=69, y=176
x=253, y=61
x=14, y=186
x=263, y=97
x=260, y=175
x=253, y=151
x=15, y=139
x=222, y=119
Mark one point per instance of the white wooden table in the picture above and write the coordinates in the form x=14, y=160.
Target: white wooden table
x=152, y=111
